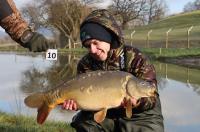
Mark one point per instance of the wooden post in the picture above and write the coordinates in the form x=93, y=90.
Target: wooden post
x=166, y=71
x=148, y=36
x=132, y=36
x=69, y=43
x=188, y=77
x=167, y=37
x=188, y=37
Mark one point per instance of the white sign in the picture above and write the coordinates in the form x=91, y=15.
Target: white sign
x=51, y=54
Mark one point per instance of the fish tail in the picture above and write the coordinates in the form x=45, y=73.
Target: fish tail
x=37, y=100
x=43, y=112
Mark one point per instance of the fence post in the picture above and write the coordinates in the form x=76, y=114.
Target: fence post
x=167, y=37
x=166, y=72
x=188, y=77
x=74, y=45
x=148, y=35
x=69, y=43
x=132, y=36
x=188, y=34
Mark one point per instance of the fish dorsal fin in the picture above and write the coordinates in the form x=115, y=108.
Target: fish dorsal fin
x=129, y=108
x=100, y=115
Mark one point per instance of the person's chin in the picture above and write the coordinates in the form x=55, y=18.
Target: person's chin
x=102, y=58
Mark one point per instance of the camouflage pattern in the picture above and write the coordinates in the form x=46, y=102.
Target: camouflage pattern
x=13, y=24
x=104, y=18
x=147, y=116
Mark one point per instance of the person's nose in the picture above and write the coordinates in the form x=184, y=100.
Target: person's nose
x=93, y=48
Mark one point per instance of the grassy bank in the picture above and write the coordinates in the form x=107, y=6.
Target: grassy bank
x=153, y=52
x=157, y=53
x=178, y=23
x=14, y=123
x=21, y=49
x=177, y=36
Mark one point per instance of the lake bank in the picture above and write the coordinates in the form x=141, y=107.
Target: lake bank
x=19, y=123
x=186, y=61
x=182, y=56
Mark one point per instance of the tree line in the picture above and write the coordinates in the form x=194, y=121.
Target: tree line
x=192, y=6
x=64, y=17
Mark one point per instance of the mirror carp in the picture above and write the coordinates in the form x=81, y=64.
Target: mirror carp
x=93, y=91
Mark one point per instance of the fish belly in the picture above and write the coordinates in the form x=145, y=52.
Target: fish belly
x=99, y=99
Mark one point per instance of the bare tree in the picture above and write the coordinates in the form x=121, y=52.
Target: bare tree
x=90, y=2
x=33, y=14
x=197, y=4
x=192, y=6
x=189, y=7
x=156, y=10
x=64, y=15
x=128, y=10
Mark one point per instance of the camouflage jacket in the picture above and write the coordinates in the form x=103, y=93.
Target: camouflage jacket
x=123, y=58
x=11, y=20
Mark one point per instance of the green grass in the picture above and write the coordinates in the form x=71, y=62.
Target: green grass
x=21, y=49
x=178, y=23
x=77, y=50
x=153, y=52
x=171, y=52
x=18, y=123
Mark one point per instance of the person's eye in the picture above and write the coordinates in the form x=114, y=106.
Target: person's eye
x=87, y=46
x=95, y=43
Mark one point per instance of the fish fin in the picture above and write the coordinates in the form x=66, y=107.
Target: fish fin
x=129, y=109
x=100, y=115
x=43, y=112
x=34, y=100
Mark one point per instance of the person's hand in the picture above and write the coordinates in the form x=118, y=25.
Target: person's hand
x=34, y=41
x=38, y=43
x=70, y=105
x=134, y=102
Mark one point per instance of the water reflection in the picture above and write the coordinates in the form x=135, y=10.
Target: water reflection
x=33, y=80
x=179, y=92
x=180, y=106
x=190, y=77
x=21, y=75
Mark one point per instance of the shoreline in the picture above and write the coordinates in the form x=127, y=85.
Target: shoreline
x=184, y=57
x=186, y=61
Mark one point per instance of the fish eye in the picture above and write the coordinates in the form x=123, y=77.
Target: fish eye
x=145, y=85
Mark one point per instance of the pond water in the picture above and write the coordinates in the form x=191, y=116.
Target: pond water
x=23, y=74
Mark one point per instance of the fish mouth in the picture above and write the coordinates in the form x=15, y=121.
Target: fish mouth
x=153, y=93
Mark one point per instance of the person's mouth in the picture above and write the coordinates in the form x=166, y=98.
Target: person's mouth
x=99, y=53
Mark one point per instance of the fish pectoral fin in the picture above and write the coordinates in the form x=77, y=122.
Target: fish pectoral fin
x=129, y=109
x=100, y=115
x=43, y=112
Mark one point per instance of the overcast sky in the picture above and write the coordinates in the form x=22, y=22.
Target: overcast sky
x=175, y=6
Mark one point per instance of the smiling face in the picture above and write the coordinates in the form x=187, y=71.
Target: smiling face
x=98, y=49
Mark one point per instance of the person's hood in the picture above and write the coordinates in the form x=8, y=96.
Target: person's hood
x=106, y=19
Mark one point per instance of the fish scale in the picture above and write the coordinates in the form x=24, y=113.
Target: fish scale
x=94, y=91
